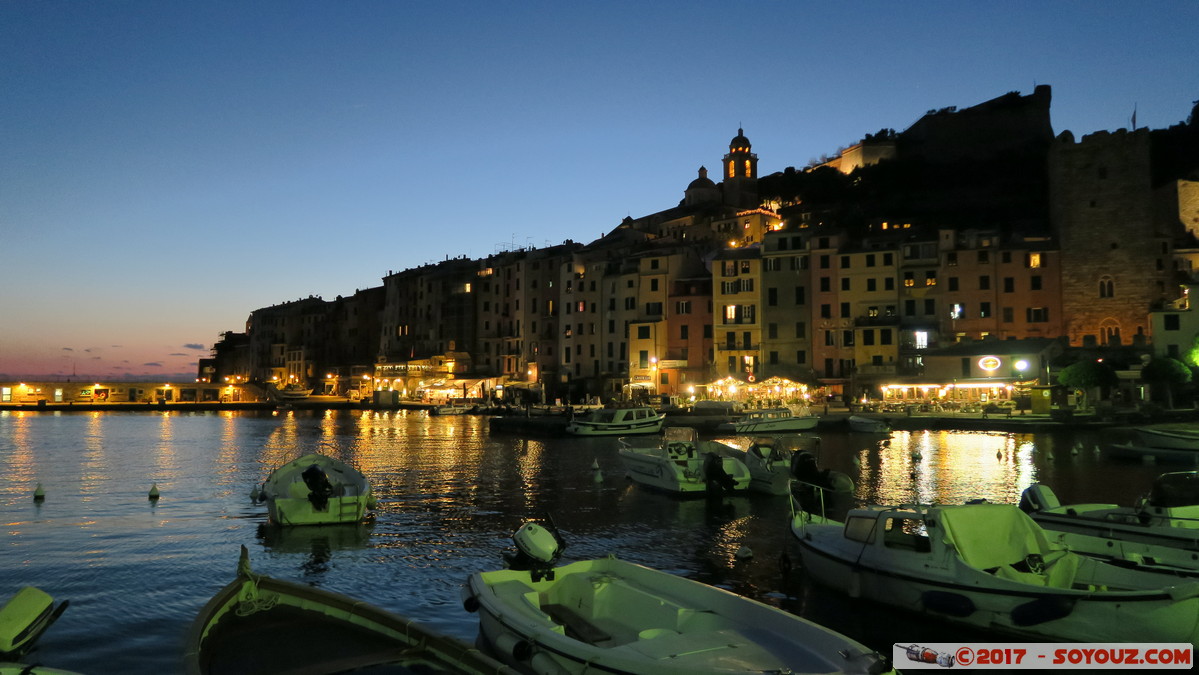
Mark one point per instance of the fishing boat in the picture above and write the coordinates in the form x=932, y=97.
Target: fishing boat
x=292, y=392
x=868, y=425
x=990, y=566
x=609, y=615
x=679, y=463
x=257, y=624
x=771, y=421
x=1167, y=516
x=616, y=422
x=316, y=489
x=451, y=409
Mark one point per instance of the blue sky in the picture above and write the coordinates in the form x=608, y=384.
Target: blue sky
x=168, y=167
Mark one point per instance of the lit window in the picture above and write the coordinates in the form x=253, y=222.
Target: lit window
x=1034, y=259
x=730, y=313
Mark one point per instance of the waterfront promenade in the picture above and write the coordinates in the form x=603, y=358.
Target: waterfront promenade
x=550, y=420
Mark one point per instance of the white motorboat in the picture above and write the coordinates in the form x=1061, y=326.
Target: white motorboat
x=679, y=463
x=991, y=566
x=868, y=425
x=451, y=409
x=609, y=615
x=316, y=489
x=1169, y=436
x=1167, y=516
x=258, y=624
x=772, y=421
x=774, y=462
x=616, y=422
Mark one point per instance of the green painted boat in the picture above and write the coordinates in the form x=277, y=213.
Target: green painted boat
x=258, y=624
x=317, y=489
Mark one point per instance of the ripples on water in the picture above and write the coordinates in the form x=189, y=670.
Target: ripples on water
x=450, y=495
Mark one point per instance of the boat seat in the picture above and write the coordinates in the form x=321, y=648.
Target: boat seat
x=577, y=625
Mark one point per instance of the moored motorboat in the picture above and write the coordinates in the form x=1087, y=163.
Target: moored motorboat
x=451, y=409
x=609, y=615
x=775, y=462
x=1171, y=436
x=317, y=489
x=616, y=422
x=771, y=421
x=1167, y=516
x=868, y=425
x=257, y=624
x=993, y=567
x=679, y=463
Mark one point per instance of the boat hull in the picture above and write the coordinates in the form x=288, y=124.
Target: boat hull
x=776, y=426
x=582, y=427
x=611, y=616
x=270, y=625
x=689, y=475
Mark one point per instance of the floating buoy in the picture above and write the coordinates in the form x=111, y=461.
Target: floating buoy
x=38, y=493
x=255, y=494
x=917, y=456
x=744, y=553
x=154, y=492
x=596, y=474
x=999, y=454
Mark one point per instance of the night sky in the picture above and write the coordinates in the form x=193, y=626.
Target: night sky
x=168, y=167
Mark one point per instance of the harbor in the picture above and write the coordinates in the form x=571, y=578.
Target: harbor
x=450, y=495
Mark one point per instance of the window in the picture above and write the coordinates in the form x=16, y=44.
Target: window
x=887, y=258
x=908, y=280
x=772, y=297
x=844, y=262
x=920, y=339
x=826, y=284
x=845, y=310
x=868, y=337
x=653, y=283
x=889, y=284
x=1009, y=315
x=984, y=283
x=830, y=339
x=847, y=338
x=800, y=329
x=909, y=307
x=845, y=283
x=773, y=358
x=984, y=310
x=643, y=359
x=1170, y=322
x=1033, y=260
x=953, y=283
x=869, y=260
x=772, y=331
x=800, y=295
x=1107, y=287
x=872, y=312
x=957, y=311
x=826, y=311
x=653, y=308
x=683, y=331
x=1034, y=282
x=984, y=256
x=1037, y=314
x=871, y=284
x=682, y=307
x=884, y=336
x=801, y=357
x=930, y=278
x=824, y=262
x=930, y=307
x=951, y=259
x=1006, y=256
x=1009, y=285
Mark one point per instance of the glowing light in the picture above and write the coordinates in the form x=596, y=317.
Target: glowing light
x=989, y=363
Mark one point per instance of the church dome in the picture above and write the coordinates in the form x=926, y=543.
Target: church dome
x=702, y=182
x=739, y=142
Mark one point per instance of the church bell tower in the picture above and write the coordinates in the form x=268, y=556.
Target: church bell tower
x=741, y=173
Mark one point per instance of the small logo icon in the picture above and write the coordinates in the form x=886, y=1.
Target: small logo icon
x=925, y=655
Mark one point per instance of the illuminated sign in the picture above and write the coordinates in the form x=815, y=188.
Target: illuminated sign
x=989, y=363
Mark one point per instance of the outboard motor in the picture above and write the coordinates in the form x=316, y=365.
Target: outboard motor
x=715, y=476
x=1038, y=497
x=537, y=550
x=319, y=487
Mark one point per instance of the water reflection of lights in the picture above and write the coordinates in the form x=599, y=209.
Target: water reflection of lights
x=941, y=467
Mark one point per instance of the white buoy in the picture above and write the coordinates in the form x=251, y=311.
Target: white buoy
x=39, y=494
x=744, y=553
x=154, y=492
x=596, y=474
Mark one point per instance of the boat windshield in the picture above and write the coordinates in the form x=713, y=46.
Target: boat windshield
x=1172, y=490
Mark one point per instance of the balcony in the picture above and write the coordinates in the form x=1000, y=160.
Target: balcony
x=744, y=347
x=876, y=321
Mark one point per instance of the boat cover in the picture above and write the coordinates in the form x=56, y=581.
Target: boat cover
x=992, y=535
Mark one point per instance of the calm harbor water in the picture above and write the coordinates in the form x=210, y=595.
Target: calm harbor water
x=450, y=495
